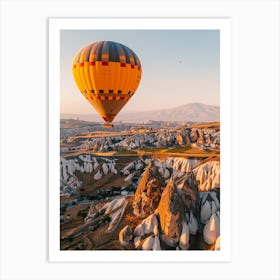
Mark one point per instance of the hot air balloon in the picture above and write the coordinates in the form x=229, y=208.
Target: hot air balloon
x=107, y=74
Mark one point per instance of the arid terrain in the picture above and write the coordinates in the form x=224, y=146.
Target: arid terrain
x=140, y=187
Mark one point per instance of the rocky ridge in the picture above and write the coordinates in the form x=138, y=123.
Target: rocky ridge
x=183, y=212
x=176, y=198
x=205, y=137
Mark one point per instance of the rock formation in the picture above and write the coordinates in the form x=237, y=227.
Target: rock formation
x=208, y=176
x=211, y=230
x=193, y=224
x=205, y=212
x=148, y=243
x=171, y=215
x=125, y=236
x=164, y=138
x=148, y=192
x=185, y=237
x=217, y=244
x=209, y=205
x=189, y=193
x=147, y=226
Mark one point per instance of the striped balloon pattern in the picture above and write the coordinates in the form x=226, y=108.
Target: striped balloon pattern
x=107, y=74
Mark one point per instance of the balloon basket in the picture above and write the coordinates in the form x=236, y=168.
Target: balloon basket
x=108, y=125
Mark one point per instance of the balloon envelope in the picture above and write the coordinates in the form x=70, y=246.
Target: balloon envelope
x=107, y=74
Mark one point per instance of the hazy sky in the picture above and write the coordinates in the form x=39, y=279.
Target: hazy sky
x=178, y=67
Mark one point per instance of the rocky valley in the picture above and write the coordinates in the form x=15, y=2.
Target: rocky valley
x=141, y=189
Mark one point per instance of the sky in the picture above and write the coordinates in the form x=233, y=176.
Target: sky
x=178, y=67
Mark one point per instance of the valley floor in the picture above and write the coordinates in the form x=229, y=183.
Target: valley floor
x=165, y=198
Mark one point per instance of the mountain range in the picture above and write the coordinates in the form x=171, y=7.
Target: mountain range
x=192, y=112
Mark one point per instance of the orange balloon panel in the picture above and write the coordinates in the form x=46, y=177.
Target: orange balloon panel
x=107, y=74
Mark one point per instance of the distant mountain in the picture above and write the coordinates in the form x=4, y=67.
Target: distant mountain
x=192, y=112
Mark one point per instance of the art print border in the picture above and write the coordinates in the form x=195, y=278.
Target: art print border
x=57, y=24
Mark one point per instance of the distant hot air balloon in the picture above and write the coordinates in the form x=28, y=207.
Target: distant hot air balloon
x=107, y=74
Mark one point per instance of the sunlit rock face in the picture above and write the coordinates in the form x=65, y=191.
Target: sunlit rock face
x=182, y=165
x=208, y=176
x=171, y=215
x=180, y=138
x=151, y=243
x=147, y=226
x=149, y=191
x=115, y=209
x=217, y=244
x=148, y=243
x=125, y=236
x=156, y=245
x=210, y=217
x=189, y=193
x=200, y=139
x=146, y=234
x=184, y=237
x=190, y=198
x=211, y=230
x=209, y=204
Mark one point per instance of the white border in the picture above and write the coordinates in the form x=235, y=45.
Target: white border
x=55, y=25
x=255, y=102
